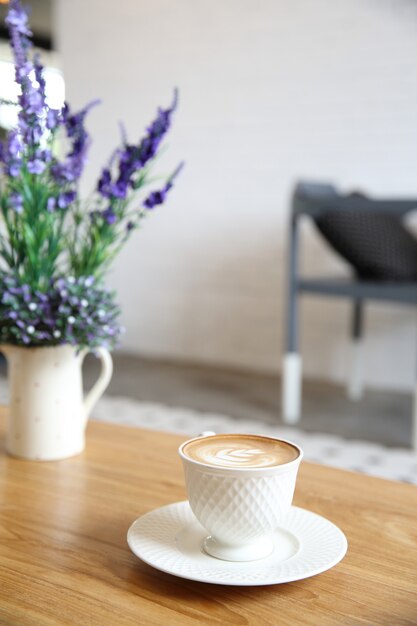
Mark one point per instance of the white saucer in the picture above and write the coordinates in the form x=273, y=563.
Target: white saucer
x=170, y=540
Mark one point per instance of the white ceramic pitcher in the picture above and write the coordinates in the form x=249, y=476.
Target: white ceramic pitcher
x=47, y=411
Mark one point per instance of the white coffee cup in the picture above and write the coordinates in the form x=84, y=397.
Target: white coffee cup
x=240, y=507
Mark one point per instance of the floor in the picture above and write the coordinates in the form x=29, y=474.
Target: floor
x=382, y=417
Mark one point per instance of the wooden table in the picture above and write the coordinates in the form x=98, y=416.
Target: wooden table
x=64, y=557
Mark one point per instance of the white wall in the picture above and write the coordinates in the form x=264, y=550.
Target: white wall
x=271, y=90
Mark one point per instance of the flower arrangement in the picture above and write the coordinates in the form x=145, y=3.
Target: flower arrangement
x=54, y=248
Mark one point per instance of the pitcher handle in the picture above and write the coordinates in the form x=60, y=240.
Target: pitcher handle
x=103, y=380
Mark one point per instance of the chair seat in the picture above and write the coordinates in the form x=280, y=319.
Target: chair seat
x=405, y=293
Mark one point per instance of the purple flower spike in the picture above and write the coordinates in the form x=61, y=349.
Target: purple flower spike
x=39, y=75
x=34, y=102
x=133, y=158
x=119, y=189
x=36, y=166
x=31, y=125
x=17, y=23
x=51, y=205
x=109, y=216
x=17, y=18
x=13, y=168
x=73, y=165
x=52, y=118
x=155, y=197
x=104, y=183
x=14, y=145
x=65, y=199
x=158, y=197
x=157, y=130
x=16, y=202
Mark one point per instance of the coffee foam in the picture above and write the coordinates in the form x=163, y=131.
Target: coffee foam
x=240, y=451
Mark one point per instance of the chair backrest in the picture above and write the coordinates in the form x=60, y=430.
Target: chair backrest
x=315, y=198
x=367, y=233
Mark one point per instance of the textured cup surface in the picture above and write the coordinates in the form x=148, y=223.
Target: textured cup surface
x=239, y=506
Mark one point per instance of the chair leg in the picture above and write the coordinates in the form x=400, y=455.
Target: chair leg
x=291, y=388
x=414, y=421
x=291, y=370
x=355, y=380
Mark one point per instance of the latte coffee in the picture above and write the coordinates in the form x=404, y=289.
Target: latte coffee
x=240, y=451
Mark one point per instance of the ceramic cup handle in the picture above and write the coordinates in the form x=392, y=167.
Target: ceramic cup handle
x=103, y=380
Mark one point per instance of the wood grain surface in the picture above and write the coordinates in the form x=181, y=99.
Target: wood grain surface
x=64, y=557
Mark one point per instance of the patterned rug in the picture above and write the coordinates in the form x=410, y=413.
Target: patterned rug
x=359, y=456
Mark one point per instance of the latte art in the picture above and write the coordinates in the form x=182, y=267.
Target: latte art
x=239, y=457
x=240, y=451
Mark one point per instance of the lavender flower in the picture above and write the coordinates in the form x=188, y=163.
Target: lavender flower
x=31, y=126
x=39, y=77
x=104, y=186
x=33, y=102
x=65, y=199
x=52, y=118
x=16, y=202
x=13, y=168
x=36, y=166
x=157, y=130
x=133, y=158
x=51, y=205
x=82, y=319
x=158, y=197
x=54, y=252
x=72, y=167
x=109, y=216
x=17, y=19
x=14, y=144
x=11, y=154
x=17, y=22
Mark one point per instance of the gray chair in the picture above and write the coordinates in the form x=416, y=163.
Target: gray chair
x=314, y=200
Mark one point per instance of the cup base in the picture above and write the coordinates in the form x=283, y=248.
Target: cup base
x=250, y=552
